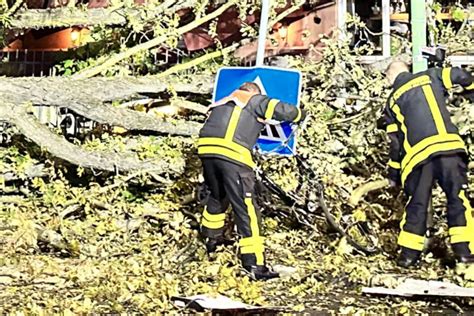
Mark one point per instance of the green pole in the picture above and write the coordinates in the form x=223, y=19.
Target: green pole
x=418, y=30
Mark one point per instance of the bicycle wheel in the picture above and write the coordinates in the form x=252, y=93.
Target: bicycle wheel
x=307, y=203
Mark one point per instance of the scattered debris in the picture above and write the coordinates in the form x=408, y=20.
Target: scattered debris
x=412, y=287
x=204, y=302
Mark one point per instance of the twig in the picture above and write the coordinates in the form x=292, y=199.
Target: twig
x=194, y=62
x=13, y=9
x=90, y=72
x=347, y=119
x=12, y=199
x=119, y=183
x=285, y=13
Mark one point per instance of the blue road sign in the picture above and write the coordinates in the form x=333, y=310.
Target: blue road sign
x=277, y=83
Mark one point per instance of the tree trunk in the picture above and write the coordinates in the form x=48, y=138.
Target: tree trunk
x=89, y=98
x=67, y=16
x=58, y=146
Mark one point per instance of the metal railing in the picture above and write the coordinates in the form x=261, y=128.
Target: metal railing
x=26, y=63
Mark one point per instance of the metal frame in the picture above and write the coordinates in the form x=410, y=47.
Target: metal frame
x=342, y=9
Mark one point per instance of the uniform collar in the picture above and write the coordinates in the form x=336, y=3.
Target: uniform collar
x=401, y=79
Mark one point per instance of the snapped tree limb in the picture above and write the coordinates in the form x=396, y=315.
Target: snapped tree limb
x=67, y=16
x=61, y=148
x=88, y=98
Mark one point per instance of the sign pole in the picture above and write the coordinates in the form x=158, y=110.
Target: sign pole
x=262, y=34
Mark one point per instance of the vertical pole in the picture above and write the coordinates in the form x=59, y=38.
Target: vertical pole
x=341, y=18
x=262, y=35
x=386, y=28
x=418, y=31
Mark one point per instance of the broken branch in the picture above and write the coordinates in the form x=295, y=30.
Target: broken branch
x=90, y=72
x=61, y=148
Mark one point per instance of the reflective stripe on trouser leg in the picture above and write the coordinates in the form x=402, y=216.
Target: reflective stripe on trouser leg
x=212, y=221
x=212, y=225
x=407, y=239
x=459, y=234
x=413, y=227
x=255, y=243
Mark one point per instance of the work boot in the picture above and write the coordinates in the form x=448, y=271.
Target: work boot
x=467, y=258
x=462, y=254
x=261, y=272
x=213, y=243
x=408, y=258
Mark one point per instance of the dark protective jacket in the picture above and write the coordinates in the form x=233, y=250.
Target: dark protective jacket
x=418, y=122
x=234, y=124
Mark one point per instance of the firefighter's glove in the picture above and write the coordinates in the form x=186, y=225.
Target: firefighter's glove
x=394, y=177
x=304, y=114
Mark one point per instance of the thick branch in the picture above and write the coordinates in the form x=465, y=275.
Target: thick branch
x=61, y=148
x=67, y=16
x=87, y=98
x=91, y=72
x=362, y=190
x=32, y=171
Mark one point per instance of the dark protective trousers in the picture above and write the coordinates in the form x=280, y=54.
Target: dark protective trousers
x=450, y=171
x=233, y=184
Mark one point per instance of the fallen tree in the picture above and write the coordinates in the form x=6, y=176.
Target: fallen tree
x=89, y=97
x=85, y=99
x=125, y=244
x=59, y=147
x=113, y=16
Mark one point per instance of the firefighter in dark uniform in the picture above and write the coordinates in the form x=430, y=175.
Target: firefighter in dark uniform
x=224, y=146
x=425, y=147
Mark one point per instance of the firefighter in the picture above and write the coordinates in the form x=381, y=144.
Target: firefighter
x=425, y=147
x=224, y=147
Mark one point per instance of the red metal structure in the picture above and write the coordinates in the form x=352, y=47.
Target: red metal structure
x=38, y=50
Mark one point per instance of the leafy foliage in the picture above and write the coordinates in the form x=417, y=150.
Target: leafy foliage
x=78, y=241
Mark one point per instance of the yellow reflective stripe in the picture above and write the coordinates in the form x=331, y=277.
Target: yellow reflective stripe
x=394, y=164
x=469, y=220
x=460, y=234
x=446, y=75
x=234, y=120
x=411, y=241
x=215, y=141
x=428, y=152
x=226, y=152
x=471, y=87
x=392, y=128
x=212, y=225
x=418, y=147
x=249, y=241
x=298, y=117
x=457, y=230
x=410, y=85
x=271, y=108
x=423, y=149
x=401, y=120
x=254, y=228
x=434, y=108
x=255, y=249
x=213, y=217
